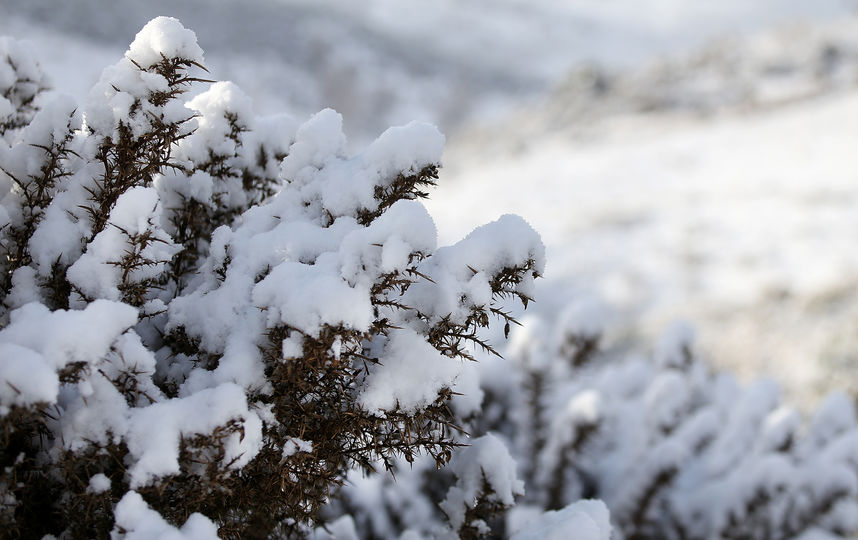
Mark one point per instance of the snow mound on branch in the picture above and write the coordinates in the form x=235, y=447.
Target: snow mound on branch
x=410, y=375
x=99, y=272
x=38, y=343
x=136, y=521
x=583, y=520
x=485, y=465
x=164, y=37
x=155, y=431
x=120, y=96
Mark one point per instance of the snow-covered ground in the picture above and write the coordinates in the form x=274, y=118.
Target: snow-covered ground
x=745, y=226
x=739, y=215
x=719, y=187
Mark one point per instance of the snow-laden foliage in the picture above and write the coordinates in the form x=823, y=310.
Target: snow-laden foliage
x=671, y=449
x=208, y=318
x=21, y=80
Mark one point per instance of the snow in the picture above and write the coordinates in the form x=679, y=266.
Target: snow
x=404, y=149
x=679, y=444
x=213, y=106
x=657, y=245
x=485, y=462
x=122, y=94
x=294, y=445
x=342, y=528
x=410, y=375
x=61, y=337
x=21, y=76
x=316, y=163
x=316, y=296
x=6, y=108
x=26, y=377
x=835, y=416
x=155, y=431
x=742, y=225
x=303, y=262
x=387, y=244
x=164, y=37
x=98, y=483
x=385, y=63
x=586, y=520
x=135, y=520
x=97, y=273
x=462, y=269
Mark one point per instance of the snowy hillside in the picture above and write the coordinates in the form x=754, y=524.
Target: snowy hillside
x=387, y=62
x=731, y=203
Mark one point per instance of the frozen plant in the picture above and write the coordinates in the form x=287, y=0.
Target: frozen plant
x=614, y=445
x=209, y=318
x=21, y=81
x=675, y=450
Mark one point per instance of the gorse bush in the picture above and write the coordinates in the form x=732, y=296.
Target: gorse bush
x=209, y=318
x=674, y=450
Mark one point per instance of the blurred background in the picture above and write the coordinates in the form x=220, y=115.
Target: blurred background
x=691, y=160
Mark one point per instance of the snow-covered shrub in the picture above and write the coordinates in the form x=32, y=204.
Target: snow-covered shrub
x=21, y=81
x=675, y=450
x=208, y=318
x=613, y=445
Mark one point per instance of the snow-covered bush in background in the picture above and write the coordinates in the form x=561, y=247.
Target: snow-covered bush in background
x=658, y=446
x=208, y=319
x=675, y=450
x=21, y=81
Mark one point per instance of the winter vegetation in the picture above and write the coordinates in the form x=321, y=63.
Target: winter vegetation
x=215, y=324
x=210, y=318
x=607, y=446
